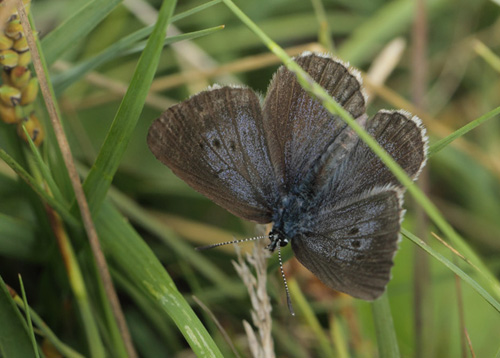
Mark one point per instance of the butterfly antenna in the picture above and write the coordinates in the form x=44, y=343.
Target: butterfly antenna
x=201, y=248
x=288, y=299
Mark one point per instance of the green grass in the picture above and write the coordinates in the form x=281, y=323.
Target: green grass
x=148, y=221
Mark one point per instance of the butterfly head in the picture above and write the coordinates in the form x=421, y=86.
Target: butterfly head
x=277, y=237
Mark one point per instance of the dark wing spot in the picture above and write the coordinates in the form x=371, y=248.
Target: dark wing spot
x=355, y=243
x=216, y=143
x=353, y=231
x=232, y=146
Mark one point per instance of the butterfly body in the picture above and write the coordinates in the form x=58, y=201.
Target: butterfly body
x=290, y=218
x=288, y=161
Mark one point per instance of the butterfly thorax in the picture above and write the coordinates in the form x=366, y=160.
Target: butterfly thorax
x=289, y=220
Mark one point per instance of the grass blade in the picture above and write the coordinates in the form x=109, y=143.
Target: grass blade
x=75, y=28
x=464, y=276
x=172, y=39
x=65, y=79
x=23, y=174
x=19, y=239
x=333, y=107
x=184, y=250
x=384, y=327
x=120, y=48
x=64, y=349
x=15, y=341
x=45, y=171
x=489, y=56
x=194, y=10
x=442, y=143
x=325, y=346
x=28, y=317
x=136, y=260
x=101, y=174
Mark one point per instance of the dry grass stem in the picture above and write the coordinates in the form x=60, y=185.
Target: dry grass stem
x=245, y=64
x=190, y=55
x=260, y=342
x=218, y=324
x=116, y=88
x=384, y=64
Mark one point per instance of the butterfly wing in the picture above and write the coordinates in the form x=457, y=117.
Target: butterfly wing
x=214, y=141
x=298, y=128
x=350, y=242
x=349, y=246
x=399, y=133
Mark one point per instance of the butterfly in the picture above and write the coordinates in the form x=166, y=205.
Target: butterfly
x=285, y=159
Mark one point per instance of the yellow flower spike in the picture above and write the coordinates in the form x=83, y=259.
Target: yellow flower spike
x=20, y=76
x=5, y=42
x=24, y=59
x=8, y=114
x=33, y=127
x=10, y=96
x=21, y=45
x=14, y=29
x=9, y=58
x=29, y=93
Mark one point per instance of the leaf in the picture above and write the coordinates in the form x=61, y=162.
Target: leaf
x=464, y=276
x=130, y=254
x=102, y=172
x=75, y=28
x=436, y=147
x=384, y=328
x=123, y=47
x=23, y=174
x=18, y=239
x=15, y=341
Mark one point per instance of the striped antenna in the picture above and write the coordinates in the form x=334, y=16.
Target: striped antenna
x=288, y=299
x=201, y=248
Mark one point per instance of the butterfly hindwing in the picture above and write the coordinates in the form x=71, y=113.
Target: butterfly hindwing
x=349, y=246
x=214, y=141
x=400, y=134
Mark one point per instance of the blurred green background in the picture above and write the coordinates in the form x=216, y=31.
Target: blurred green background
x=447, y=71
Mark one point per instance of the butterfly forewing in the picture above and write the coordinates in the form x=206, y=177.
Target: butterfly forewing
x=214, y=141
x=350, y=246
x=299, y=129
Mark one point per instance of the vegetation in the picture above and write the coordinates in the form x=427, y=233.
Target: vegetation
x=109, y=71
